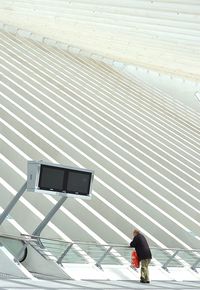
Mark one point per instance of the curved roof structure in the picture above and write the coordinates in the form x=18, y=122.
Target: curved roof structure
x=160, y=34
x=143, y=146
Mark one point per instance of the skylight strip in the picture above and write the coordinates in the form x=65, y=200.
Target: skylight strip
x=71, y=216
x=50, y=224
x=87, y=229
x=127, y=239
x=144, y=93
x=107, y=92
x=100, y=65
x=109, y=150
x=142, y=136
x=82, y=203
x=34, y=131
x=128, y=116
x=161, y=97
x=90, y=64
x=19, y=151
x=15, y=168
x=115, y=208
x=12, y=221
x=156, y=114
x=144, y=112
x=112, y=226
x=185, y=122
x=141, y=90
x=91, y=136
x=68, y=213
x=164, y=199
x=126, y=82
x=141, y=211
x=137, y=98
x=12, y=145
x=52, y=200
x=16, y=44
x=128, y=219
x=104, y=220
x=77, y=221
x=119, y=167
x=126, y=121
x=144, y=88
x=105, y=128
x=123, y=121
x=34, y=210
x=112, y=175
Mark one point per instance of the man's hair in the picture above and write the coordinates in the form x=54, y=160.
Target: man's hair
x=136, y=231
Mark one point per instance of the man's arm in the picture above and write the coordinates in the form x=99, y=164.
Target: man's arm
x=132, y=244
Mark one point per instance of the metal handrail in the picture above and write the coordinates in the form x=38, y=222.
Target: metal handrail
x=28, y=238
x=109, y=249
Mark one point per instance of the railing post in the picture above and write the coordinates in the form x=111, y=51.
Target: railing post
x=98, y=264
x=59, y=261
x=193, y=267
x=169, y=260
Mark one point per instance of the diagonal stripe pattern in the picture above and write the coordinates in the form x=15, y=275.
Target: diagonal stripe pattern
x=143, y=146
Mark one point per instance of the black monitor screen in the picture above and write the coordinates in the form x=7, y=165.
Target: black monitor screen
x=51, y=178
x=78, y=182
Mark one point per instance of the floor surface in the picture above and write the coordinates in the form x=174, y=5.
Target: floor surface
x=8, y=284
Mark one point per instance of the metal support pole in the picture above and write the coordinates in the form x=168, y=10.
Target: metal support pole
x=59, y=261
x=98, y=263
x=195, y=265
x=169, y=260
x=48, y=217
x=12, y=203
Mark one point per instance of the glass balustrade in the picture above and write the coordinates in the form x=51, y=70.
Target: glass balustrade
x=109, y=254
x=14, y=246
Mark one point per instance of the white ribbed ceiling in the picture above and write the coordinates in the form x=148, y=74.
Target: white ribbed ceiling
x=162, y=35
x=143, y=146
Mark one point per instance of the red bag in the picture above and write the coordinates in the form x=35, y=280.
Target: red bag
x=135, y=263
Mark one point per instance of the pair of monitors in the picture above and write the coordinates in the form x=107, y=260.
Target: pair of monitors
x=63, y=180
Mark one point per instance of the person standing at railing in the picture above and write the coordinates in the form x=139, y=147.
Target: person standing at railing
x=143, y=251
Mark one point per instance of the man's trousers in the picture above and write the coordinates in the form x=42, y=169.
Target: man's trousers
x=145, y=270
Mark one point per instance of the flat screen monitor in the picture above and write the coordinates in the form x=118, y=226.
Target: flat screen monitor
x=78, y=182
x=57, y=179
x=51, y=178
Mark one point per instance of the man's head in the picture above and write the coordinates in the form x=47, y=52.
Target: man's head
x=136, y=232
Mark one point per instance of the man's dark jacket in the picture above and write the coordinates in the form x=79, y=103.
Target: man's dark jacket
x=141, y=246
